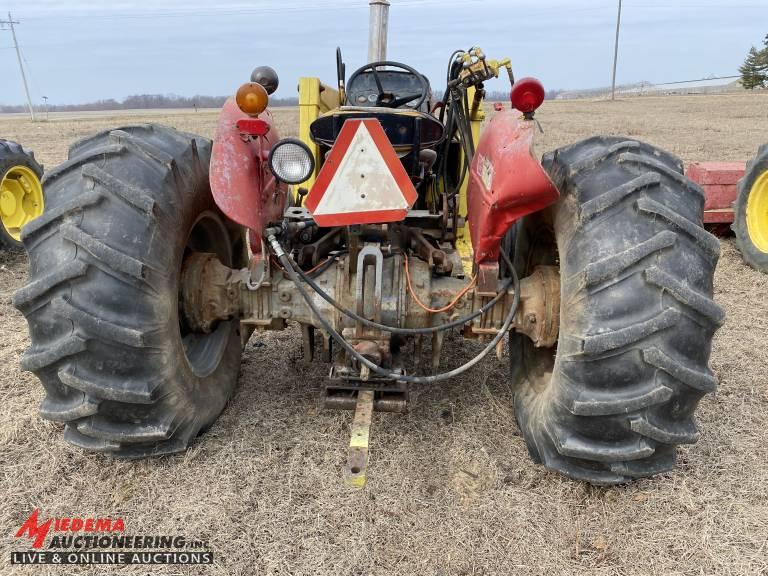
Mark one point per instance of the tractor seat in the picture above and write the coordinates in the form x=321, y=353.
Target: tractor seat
x=405, y=128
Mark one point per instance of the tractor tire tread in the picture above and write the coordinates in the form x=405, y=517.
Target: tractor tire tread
x=637, y=315
x=612, y=266
x=35, y=290
x=105, y=337
x=105, y=255
x=597, y=206
x=49, y=217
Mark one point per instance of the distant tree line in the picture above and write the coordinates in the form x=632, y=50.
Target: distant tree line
x=143, y=102
x=169, y=101
x=754, y=71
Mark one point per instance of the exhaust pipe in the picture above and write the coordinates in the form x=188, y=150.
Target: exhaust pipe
x=377, y=34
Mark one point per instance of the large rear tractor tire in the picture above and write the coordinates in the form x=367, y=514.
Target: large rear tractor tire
x=751, y=212
x=21, y=195
x=119, y=365
x=618, y=394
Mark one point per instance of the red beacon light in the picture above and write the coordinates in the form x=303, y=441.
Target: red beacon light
x=527, y=95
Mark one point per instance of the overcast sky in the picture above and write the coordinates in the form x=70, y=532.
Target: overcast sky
x=83, y=50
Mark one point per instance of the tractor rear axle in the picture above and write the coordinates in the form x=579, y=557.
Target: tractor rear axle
x=388, y=289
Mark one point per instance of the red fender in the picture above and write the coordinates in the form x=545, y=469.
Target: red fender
x=242, y=184
x=506, y=182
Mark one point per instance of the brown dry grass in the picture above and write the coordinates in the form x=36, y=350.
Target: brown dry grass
x=451, y=489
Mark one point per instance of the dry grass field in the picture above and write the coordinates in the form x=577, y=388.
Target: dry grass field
x=452, y=489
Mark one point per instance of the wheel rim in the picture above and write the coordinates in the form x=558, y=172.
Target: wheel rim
x=204, y=351
x=21, y=199
x=536, y=365
x=757, y=213
x=539, y=363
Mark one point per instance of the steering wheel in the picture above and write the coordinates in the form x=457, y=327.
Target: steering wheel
x=385, y=99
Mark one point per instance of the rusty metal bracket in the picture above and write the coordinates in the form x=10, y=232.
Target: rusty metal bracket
x=344, y=384
x=538, y=316
x=367, y=285
x=435, y=257
x=357, y=458
x=310, y=254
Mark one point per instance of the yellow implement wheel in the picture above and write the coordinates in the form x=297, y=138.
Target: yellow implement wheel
x=757, y=212
x=751, y=211
x=21, y=199
x=21, y=193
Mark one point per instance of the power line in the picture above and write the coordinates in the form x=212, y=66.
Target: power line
x=10, y=23
x=697, y=80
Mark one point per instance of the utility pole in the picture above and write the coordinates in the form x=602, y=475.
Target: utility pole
x=616, y=54
x=10, y=22
x=45, y=99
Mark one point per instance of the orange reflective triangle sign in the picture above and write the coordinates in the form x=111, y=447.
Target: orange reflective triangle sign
x=362, y=180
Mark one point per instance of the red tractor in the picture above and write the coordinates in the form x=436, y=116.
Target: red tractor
x=394, y=218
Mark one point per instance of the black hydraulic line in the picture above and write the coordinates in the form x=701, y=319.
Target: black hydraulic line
x=290, y=270
x=466, y=113
x=451, y=127
x=443, y=168
x=451, y=61
x=396, y=330
x=463, y=125
x=455, y=118
x=447, y=113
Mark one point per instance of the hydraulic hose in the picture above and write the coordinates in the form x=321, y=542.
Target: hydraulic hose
x=395, y=330
x=291, y=271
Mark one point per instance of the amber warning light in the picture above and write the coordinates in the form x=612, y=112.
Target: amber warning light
x=252, y=98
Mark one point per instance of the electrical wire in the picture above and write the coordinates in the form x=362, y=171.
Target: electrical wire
x=320, y=265
x=445, y=308
x=288, y=265
x=405, y=331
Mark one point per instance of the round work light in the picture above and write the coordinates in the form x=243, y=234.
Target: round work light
x=291, y=161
